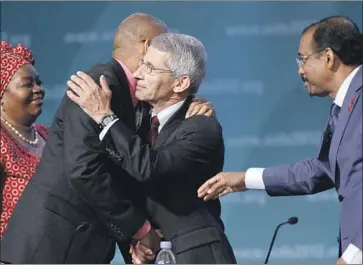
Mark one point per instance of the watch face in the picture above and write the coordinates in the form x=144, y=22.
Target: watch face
x=107, y=120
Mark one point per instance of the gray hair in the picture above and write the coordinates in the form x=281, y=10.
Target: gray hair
x=187, y=56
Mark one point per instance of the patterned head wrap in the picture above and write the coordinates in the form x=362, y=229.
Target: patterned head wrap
x=12, y=58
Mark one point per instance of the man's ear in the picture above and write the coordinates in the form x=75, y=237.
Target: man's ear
x=181, y=84
x=330, y=58
x=147, y=43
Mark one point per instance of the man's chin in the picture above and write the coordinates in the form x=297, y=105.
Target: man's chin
x=313, y=90
x=312, y=93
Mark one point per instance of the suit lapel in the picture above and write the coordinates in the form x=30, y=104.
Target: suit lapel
x=174, y=120
x=349, y=103
x=142, y=115
x=138, y=115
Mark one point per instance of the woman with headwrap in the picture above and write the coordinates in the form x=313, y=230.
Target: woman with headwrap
x=22, y=141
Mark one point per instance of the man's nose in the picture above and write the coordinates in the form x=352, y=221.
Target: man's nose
x=300, y=71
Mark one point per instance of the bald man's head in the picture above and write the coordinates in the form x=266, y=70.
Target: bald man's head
x=138, y=27
x=133, y=35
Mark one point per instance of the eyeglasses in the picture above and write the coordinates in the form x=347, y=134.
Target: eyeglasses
x=149, y=68
x=302, y=59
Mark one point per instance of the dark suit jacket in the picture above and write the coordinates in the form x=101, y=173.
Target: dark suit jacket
x=338, y=165
x=186, y=153
x=78, y=202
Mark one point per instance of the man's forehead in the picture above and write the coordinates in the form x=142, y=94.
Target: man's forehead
x=306, y=42
x=155, y=56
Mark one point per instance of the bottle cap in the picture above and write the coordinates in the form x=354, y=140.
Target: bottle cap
x=165, y=244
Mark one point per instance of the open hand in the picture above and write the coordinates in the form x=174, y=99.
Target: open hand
x=222, y=184
x=93, y=99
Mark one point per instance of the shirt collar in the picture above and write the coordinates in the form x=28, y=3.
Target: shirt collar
x=166, y=114
x=339, y=98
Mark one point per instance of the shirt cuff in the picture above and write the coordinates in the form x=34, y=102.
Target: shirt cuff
x=105, y=130
x=254, y=179
x=352, y=255
x=143, y=230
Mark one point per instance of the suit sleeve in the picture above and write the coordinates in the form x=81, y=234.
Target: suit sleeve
x=87, y=170
x=194, y=147
x=351, y=222
x=305, y=177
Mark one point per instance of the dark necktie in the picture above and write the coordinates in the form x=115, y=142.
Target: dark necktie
x=154, y=129
x=334, y=115
x=328, y=134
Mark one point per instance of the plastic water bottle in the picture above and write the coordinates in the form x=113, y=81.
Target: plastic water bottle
x=165, y=255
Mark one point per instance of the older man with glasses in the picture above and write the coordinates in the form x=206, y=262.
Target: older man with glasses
x=181, y=153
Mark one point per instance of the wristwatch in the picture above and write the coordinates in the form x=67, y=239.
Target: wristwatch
x=106, y=120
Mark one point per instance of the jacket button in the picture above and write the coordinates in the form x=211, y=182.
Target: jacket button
x=340, y=198
x=82, y=227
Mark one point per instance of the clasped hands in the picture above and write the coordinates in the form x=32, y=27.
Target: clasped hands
x=144, y=251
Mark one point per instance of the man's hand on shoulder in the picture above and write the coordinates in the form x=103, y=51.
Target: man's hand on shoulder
x=200, y=106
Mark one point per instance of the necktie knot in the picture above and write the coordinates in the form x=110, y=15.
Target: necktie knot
x=334, y=115
x=154, y=130
x=335, y=109
x=155, y=122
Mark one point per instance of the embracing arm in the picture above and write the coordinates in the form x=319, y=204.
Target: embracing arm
x=194, y=147
x=86, y=167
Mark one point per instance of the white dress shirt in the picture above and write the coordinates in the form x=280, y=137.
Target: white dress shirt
x=254, y=176
x=166, y=114
x=163, y=117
